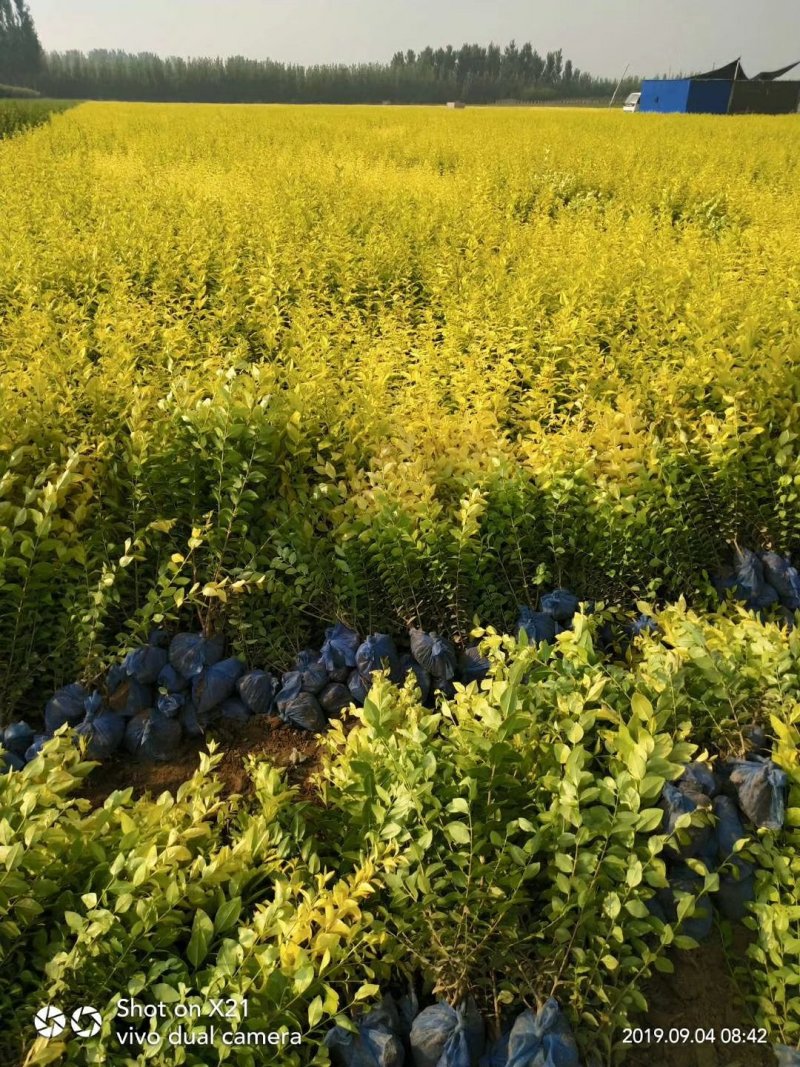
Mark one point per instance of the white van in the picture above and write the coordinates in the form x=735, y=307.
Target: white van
x=632, y=102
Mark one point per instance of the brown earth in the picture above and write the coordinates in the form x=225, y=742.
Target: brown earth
x=701, y=995
x=263, y=737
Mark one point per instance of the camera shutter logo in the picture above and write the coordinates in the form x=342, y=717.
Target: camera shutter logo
x=50, y=1021
x=86, y=1022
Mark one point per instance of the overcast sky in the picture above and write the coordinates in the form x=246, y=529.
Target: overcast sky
x=601, y=36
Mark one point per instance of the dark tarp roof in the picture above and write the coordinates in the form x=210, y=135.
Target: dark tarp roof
x=730, y=72
x=771, y=75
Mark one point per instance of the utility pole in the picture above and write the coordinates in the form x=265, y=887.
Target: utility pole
x=622, y=79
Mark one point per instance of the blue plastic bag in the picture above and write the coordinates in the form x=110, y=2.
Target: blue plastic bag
x=697, y=840
x=683, y=879
x=761, y=792
x=737, y=885
x=340, y=647
x=377, y=1043
x=190, y=653
x=315, y=678
x=358, y=688
x=258, y=689
x=170, y=704
x=434, y=654
x=154, y=736
x=543, y=1039
x=442, y=1036
x=36, y=746
x=234, y=710
x=642, y=625
x=698, y=778
x=216, y=684
x=537, y=625
x=304, y=713
x=145, y=664
x=170, y=680
x=65, y=706
x=497, y=1053
x=131, y=698
x=409, y=665
x=334, y=698
x=784, y=579
x=378, y=653
x=292, y=686
x=10, y=761
x=18, y=738
x=561, y=604
x=104, y=734
x=192, y=727
x=474, y=666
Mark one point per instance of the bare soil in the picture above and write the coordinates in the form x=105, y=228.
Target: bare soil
x=701, y=995
x=262, y=737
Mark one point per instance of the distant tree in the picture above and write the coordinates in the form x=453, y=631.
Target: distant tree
x=21, y=52
x=473, y=72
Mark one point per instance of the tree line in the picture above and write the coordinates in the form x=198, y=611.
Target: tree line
x=473, y=73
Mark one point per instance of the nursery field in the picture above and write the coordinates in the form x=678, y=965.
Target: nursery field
x=312, y=421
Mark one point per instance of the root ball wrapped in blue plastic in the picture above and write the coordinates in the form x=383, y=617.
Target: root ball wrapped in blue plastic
x=760, y=789
x=192, y=727
x=340, y=647
x=378, y=653
x=170, y=704
x=784, y=579
x=697, y=840
x=409, y=665
x=473, y=665
x=104, y=733
x=10, y=761
x=169, y=680
x=642, y=625
x=334, y=698
x=749, y=571
x=190, y=653
x=434, y=654
x=216, y=684
x=376, y=1044
x=131, y=698
x=158, y=638
x=145, y=664
x=560, y=604
x=258, y=689
x=682, y=879
x=39, y=741
x=542, y=1037
x=291, y=688
x=305, y=713
x=537, y=625
x=358, y=688
x=315, y=678
x=152, y=735
x=698, y=778
x=18, y=738
x=65, y=707
x=737, y=883
x=234, y=710
x=442, y=1036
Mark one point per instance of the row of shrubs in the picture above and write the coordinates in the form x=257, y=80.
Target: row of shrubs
x=177, y=687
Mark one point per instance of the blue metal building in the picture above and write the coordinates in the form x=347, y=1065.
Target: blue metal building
x=725, y=90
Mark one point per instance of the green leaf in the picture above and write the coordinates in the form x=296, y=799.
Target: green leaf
x=458, y=832
x=315, y=1012
x=199, y=942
